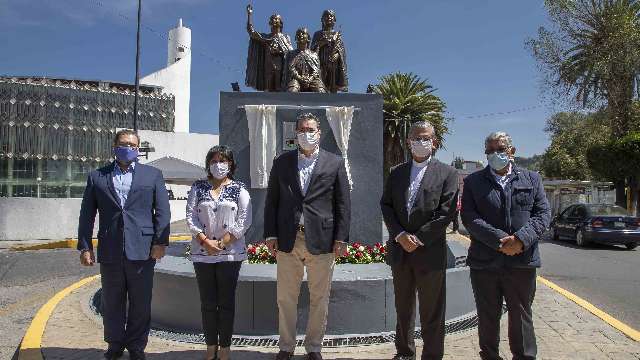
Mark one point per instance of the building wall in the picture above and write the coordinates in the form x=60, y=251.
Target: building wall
x=175, y=79
x=51, y=219
x=54, y=131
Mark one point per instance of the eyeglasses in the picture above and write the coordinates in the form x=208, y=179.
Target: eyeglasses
x=421, y=138
x=501, y=149
x=307, y=131
x=130, y=146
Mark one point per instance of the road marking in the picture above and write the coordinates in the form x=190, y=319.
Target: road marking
x=30, y=347
x=613, y=322
x=73, y=243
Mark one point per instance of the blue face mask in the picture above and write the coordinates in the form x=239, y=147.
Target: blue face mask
x=498, y=160
x=125, y=154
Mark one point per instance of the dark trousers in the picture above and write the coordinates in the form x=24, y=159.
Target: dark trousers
x=127, y=282
x=517, y=287
x=217, y=284
x=431, y=288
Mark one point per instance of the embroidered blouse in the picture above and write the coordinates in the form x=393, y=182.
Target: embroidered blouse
x=230, y=212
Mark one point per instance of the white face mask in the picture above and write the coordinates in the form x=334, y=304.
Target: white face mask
x=219, y=170
x=422, y=148
x=308, y=141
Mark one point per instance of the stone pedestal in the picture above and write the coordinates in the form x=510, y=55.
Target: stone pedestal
x=365, y=150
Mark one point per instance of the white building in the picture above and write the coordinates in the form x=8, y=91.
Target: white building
x=175, y=79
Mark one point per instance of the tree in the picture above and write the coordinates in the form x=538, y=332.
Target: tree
x=407, y=99
x=533, y=163
x=571, y=135
x=593, y=53
x=619, y=159
x=458, y=163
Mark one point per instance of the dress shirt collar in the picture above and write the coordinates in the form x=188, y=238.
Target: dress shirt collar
x=118, y=169
x=313, y=156
x=421, y=164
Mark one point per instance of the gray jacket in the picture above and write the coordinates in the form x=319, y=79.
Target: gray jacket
x=490, y=213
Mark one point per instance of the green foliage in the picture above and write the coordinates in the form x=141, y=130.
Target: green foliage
x=532, y=163
x=593, y=53
x=407, y=99
x=571, y=135
x=616, y=159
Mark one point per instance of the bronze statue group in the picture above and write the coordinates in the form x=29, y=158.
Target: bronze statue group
x=318, y=64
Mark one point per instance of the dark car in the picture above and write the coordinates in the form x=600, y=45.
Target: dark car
x=597, y=223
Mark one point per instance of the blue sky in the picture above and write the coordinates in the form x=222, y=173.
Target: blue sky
x=472, y=51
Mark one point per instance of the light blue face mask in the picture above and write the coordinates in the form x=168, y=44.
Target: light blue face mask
x=498, y=160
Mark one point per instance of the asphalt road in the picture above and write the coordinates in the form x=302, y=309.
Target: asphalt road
x=27, y=280
x=606, y=276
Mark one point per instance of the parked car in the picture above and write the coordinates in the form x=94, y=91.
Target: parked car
x=597, y=223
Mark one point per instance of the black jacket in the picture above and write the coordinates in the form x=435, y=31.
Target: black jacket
x=326, y=206
x=433, y=210
x=491, y=213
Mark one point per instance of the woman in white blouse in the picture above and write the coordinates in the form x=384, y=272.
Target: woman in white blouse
x=218, y=214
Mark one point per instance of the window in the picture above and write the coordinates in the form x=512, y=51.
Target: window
x=566, y=212
x=25, y=191
x=3, y=190
x=180, y=49
x=24, y=169
x=54, y=170
x=580, y=212
x=53, y=191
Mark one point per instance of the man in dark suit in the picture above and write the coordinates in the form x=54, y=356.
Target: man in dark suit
x=418, y=203
x=505, y=210
x=307, y=215
x=133, y=206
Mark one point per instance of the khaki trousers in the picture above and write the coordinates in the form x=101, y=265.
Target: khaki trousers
x=290, y=272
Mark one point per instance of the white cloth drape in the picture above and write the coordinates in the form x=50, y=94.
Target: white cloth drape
x=340, y=119
x=262, y=140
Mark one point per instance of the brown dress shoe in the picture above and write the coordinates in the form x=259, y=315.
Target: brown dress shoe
x=314, y=356
x=284, y=355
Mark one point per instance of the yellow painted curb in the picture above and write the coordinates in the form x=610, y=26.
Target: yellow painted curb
x=30, y=347
x=613, y=322
x=73, y=243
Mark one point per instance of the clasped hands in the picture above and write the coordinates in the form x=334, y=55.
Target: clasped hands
x=409, y=242
x=215, y=246
x=511, y=245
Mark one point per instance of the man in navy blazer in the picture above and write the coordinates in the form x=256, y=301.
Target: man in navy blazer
x=133, y=206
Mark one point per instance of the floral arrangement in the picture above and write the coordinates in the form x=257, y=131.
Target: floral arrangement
x=259, y=254
x=356, y=254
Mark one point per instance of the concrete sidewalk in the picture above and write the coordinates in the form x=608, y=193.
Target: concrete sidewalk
x=564, y=331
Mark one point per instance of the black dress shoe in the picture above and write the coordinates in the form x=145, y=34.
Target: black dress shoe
x=113, y=354
x=137, y=355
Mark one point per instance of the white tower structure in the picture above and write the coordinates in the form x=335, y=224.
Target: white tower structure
x=175, y=79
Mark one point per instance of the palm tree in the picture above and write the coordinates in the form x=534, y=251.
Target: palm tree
x=593, y=53
x=407, y=99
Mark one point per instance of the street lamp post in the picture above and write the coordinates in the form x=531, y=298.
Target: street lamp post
x=135, y=98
